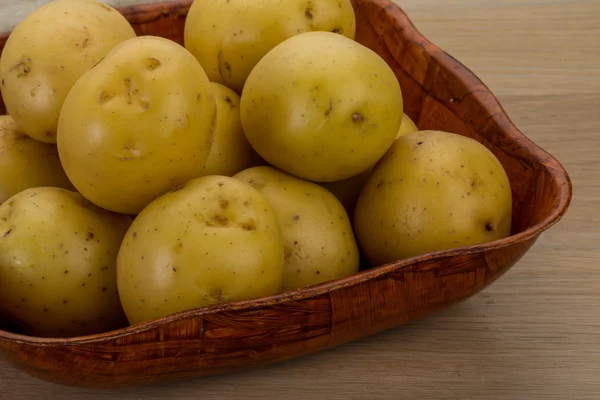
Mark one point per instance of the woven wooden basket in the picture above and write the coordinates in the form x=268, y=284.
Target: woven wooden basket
x=440, y=93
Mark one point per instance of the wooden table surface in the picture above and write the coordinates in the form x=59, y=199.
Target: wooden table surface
x=535, y=333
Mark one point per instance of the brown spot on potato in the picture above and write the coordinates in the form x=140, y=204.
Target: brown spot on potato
x=224, y=204
x=89, y=236
x=7, y=232
x=308, y=11
x=328, y=112
x=218, y=294
x=337, y=30
x=105, y=97
x=249, y=225
x=358, y=118
x=296, y=217
x=23, y=67
x=489, y=227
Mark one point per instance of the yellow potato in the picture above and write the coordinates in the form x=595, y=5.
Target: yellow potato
x=47, y=52
x=138, y=124
x=229, y=37
x=348, y=190
x=432, y=191
x=26, y=163
x=319, y=242
x=230, y=152
x=321, y=107
x=58, y=263
x=211, y=241
x=407, y=126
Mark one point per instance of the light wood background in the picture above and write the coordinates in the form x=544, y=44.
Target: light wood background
x=535, y=334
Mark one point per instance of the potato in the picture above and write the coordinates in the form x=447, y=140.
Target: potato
x=26, y=163
x=137, y=125
x=58, y=263
x=47, y=52
x=407, y=126
x=211, y=241
x=321, y=107
x=229, y=37
x=432, y=191
x=230, y=152
x=348, y=190
x=319, y=242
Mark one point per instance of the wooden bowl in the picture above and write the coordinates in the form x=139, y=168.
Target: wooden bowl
x=440, y=93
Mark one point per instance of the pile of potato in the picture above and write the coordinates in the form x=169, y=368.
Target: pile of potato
x=141, y=177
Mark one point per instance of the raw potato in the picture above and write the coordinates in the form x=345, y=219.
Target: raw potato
x=407, y=126
x=319, y=242
x=47, y=52
x=229, y=37
x=26, y=163
x=230, y=152
x=348, y=190
x=432, y=191
x=137, y=125
x=321, y=107
x=213, y=240
x=58, y=263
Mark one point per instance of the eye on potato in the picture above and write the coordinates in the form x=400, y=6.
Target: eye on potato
x=58, y=263
x=229, y=37
x=137, y=125
x=432, y=191
x=319, y=242
x=47, y=52
x=213, y=240
x=26, y=163
x=230, y=152
x=321, y=107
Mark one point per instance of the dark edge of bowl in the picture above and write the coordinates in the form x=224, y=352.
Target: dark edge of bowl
x=147, y=12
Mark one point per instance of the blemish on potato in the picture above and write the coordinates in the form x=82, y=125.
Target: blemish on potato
x=358, y=118
x=178, y=248
x=224, y=204
x=105, y=97
x=308, y=11
x=489, y=227
x=23, y=67
x=152, y=63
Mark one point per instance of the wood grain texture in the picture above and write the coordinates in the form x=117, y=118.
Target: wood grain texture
x=522, y=335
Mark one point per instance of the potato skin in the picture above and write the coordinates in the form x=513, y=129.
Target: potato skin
x=58, y=263
x=321, y=107
x=229, y=37
x=407, y=126
x=138, y=124
x=432, y=191
x=27, y=163
x=230, y=151
x=211, y=241
x=319, y=242
x=348, y=190
x=47, y=52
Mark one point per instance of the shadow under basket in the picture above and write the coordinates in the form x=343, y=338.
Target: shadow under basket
x=440, y=94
